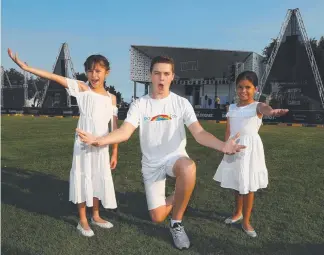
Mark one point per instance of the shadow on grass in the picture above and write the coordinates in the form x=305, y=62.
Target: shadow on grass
x=206, y=214
x=36, y=192
x=132, y=203
x=46, y=194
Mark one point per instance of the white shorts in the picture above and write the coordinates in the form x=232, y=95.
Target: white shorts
x=154, y=181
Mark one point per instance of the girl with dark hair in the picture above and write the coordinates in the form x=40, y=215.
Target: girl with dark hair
x=246, y=171
x=90, y=175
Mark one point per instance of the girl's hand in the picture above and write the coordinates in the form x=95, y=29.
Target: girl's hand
x=279, y=112
x=113, y=161
x=231, y=146
x=15, y=59
x=87, y=137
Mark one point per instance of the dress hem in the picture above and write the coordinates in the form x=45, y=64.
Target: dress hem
x=241, y=193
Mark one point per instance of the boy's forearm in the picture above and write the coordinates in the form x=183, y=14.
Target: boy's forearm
x=115, y=137
x=207, y=139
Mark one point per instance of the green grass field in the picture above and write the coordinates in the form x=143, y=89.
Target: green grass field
x=38, y=219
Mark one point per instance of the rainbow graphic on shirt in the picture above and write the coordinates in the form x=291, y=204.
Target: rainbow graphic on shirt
x=161, y=117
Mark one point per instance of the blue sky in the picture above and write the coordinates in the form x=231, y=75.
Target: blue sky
x=37, y=28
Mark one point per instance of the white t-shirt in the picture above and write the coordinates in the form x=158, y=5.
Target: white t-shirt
x=161, y=122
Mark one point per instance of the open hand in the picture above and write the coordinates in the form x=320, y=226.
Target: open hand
x=15, y=59
x=87, y=137
x=231, y=146
x=279, y=112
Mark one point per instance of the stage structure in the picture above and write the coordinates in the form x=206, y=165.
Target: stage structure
x=34, y=95
x=13, y=95
x=199, y=73
x=54, y=95
x=291, y=78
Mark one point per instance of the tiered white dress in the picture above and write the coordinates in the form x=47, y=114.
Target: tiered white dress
x=245, y=171
x=90, y=175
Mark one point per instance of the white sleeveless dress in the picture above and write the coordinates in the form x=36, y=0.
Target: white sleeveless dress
x=90, y=175
x=245, y=171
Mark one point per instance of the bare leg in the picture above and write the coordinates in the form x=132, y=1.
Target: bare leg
x=95, y=211
x=185, y=172
x=159, y=214
x=238, y=206
x=83, y=216
x=247, y=209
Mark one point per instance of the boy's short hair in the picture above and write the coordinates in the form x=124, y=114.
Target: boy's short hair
x=162, y=59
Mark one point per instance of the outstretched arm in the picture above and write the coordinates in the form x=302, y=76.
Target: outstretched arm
x=119, y=135
x=267, y=110
x=42, y=73
x=207, y=139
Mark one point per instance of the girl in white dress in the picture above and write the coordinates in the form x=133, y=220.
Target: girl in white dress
x=90, y=175
x=246, y=171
